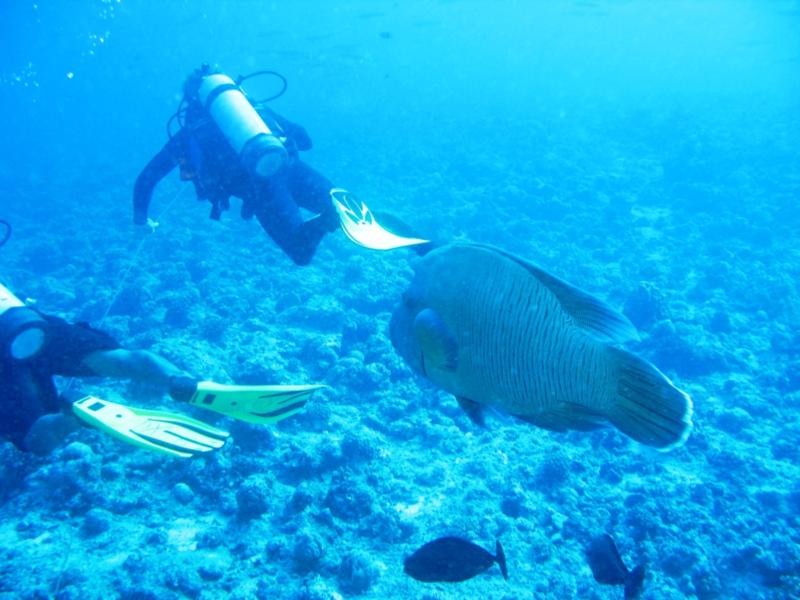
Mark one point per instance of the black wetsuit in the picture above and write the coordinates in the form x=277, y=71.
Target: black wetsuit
x=27, y=390
x=207, y=159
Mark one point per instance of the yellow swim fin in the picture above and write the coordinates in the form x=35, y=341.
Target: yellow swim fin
x=155, y=430
x=361, y=227
x=260, y=404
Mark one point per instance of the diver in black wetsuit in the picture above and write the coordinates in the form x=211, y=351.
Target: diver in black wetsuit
x=34, y=347
x=228, y=149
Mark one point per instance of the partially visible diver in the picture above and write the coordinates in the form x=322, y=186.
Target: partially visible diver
x=227, y=147
x=35, y=347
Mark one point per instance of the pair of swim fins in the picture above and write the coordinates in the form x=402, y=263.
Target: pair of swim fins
x=177, y=435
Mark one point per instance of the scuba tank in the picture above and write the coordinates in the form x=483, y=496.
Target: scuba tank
x=258, y=147
x=22, y=330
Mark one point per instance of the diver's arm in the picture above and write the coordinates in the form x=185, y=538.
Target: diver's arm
x=155, y=170
x=297, y=133
x=139, y=365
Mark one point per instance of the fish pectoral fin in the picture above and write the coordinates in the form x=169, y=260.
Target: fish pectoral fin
x=438, y=343
x=590, y=313
x=567, y=416
x=473, y=409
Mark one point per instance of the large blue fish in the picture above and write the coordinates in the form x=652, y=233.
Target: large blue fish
x=493, y=329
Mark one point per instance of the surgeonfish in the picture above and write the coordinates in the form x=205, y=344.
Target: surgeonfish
x=608, y=568
x=495, y=330
x=452, y=559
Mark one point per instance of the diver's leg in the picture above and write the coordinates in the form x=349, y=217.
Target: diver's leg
x=138, y=365
x=48, y=432
x=312, y=190
x=280, y=217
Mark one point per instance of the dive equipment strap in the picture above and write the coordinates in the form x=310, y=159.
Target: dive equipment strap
x=360, y=225
x=156, y=430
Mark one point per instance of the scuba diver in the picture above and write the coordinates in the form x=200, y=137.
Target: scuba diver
x=228, y=147
x=34, y=347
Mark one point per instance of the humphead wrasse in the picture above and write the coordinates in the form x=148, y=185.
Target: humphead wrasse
x=495, y=330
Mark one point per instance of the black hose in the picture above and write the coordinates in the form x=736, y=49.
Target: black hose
x=7, y=234
x=275, y=96
x=179, y=115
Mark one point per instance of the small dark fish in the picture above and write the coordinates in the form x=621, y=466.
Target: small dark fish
x=452, y=559
x=387, y=35
x=608, y=568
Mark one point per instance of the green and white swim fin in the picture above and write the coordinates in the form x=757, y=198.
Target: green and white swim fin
x=260, y=404
x=360, y=225
x=156, y=430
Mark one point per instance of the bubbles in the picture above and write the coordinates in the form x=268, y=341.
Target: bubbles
x=96, y=40
x=44, y=62
x=25, y=77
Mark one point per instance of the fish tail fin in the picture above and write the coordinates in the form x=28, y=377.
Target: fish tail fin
x=634, y=583
x=648, y=407
x=500, y=557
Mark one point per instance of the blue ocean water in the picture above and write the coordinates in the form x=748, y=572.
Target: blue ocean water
x=644, y=151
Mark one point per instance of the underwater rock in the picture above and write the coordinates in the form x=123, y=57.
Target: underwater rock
x=357, y=329
x=387, y=527
x=307, y=552
x=687, y=352
x=213, y=568
x=301, y=499
x=553, y=472
x=111, y=471
x=707, y=585
x=182, y=493
x=352, y=372
x=720, y=322
x=77, y=451
x=357, y=448
x=349, y=501
x=733, y=420
x=513, y=503
x=645, y=306
x=357, y=573
x=252, y=497
x=12, y=469
x=611, y=473
x=316, y=589
x=96, y=521
x=185, y=582
x=323, y=313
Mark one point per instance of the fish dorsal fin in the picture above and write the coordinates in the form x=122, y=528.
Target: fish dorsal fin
x=439, y=346
x=590, y=314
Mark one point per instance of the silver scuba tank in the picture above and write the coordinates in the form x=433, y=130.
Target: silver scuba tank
x=22, y=330
x=259, y=148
